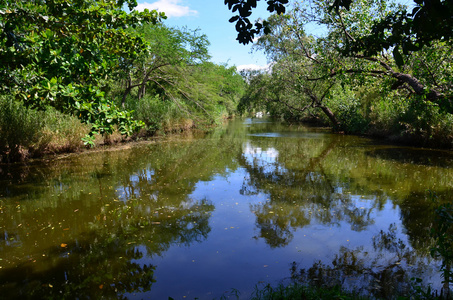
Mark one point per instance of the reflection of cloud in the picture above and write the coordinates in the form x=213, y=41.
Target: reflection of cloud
x=252, y=150
x=262, y=158
x=171, y=8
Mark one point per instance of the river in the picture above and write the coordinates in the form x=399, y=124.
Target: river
x=205, y=216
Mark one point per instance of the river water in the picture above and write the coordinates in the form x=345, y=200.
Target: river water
x=205, y=216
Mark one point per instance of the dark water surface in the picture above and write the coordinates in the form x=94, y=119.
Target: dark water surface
x=190, y=217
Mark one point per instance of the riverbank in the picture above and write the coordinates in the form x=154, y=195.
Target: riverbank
x=58, y=135
x=27, y=134
x=58, y=147
x=437, y=139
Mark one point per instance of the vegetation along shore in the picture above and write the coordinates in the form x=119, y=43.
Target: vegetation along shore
x=105, y=74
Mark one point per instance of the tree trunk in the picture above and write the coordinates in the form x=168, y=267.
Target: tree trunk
x=126, y=91
x=142, y=90
x=330, y=115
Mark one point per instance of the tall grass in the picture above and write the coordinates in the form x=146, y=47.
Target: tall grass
x=20, y=130
x=26, y=132
x=160, y=115
x=64, y=133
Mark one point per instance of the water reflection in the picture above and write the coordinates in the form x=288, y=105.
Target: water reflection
x=387, y=271
x=298, y=196
x=220, y=211
x=94, y=267
x=81, y=227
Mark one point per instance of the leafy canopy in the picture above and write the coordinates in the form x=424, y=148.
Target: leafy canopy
x=60, y=53
x=429, y=20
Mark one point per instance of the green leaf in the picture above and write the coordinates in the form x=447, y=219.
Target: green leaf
x=398, y=57
x=233, y=19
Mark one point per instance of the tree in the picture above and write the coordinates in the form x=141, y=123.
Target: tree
x=246, y=31
x=430, y=20
x=171, y=49
x=403, y=31
x=177, y=79
x=346, y=27
x=60, y=53
x=295, y=66
x=314, y=65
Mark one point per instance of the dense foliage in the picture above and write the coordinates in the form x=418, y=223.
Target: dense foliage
x=116, y=71
x=178, y=77
x=429, y=20
x=59, y=54
x=316, y=76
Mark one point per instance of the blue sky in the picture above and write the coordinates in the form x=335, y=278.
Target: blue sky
x=211, y=17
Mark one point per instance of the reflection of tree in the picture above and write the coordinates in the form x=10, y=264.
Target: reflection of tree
x=298, y=196
x=88, y=221
x=157, y=226
x=382, y=273
x=275, y=227
x=92, y=268
x=420, y=207
x=103, y=261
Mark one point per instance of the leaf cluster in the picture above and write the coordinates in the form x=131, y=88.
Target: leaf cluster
x=60, y=54
x=409, y=31
x=246, y=30
x=401, y=32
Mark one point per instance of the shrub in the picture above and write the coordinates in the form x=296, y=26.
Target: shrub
x=348, y=110
x=20, y=129
x=158, y=114
x=26, y=132
x=63, y=133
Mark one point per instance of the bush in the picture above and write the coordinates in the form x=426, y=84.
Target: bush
x=349, y=111
x=385, y=115
x=26, y=132
x=158, y=114
x=20, y=129
x=412, y=120
x=63, y=133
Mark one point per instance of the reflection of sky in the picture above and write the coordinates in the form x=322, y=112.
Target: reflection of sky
x=262, y=158
x=234, y=253
x=305, y=135
x=234, y=256
x=250, y=121
x=125, y=193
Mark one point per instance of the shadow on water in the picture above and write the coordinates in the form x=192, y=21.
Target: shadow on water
x=422, y=157
x=102, y=260
x=83, y=269
x=79, y=227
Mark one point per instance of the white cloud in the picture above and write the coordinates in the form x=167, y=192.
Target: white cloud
x=171, y=8
x=254, y=67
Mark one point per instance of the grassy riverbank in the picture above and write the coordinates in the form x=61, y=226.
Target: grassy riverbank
x=27, y=133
